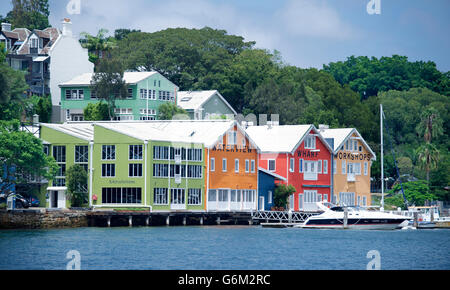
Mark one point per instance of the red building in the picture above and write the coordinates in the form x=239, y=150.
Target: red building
x=302, y=156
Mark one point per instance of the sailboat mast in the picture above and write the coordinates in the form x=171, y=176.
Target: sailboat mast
x=382, y=158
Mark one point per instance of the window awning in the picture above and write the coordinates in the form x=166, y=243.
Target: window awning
x=40, y=58
x=56, y=188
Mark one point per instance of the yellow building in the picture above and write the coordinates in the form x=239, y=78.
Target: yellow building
x=352, y=160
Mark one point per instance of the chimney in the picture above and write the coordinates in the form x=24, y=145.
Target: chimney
x=6, y=26
x=67, y=27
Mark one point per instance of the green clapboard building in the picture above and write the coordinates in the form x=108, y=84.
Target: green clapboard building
x=158, y=165
x=146, y=92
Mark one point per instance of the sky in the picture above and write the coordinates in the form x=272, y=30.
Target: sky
x=307, y=33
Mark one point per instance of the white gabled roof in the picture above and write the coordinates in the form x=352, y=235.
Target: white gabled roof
x=198, y=132
x=83, y=131
x=194, y=100
x=341, y=136
x=272, y=174
x=129, y=77
x=278, y=139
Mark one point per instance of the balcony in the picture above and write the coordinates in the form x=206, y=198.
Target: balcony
x=178, y=178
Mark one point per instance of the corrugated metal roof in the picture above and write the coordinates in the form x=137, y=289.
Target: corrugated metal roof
x=278, y=138
x=83, y=131
x=193, y=100
x=129, y=77
x=340, y=136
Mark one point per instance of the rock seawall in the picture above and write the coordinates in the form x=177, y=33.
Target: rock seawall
x=42, y=219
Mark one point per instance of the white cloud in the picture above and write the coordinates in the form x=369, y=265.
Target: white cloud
x=314, y=19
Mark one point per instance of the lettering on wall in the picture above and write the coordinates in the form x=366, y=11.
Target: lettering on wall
x=351, y=156
x=233, y=148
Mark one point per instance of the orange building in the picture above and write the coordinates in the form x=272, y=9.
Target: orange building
x=352, y=160
x=232, y=172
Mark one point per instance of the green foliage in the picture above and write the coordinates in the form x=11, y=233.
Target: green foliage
x=281, y=195
x=170, y=111
x=97, y=44
x=109, y=84
x=24, y=152
x=96, y=112
x=77, y=179
x=120, y=34
x=31, y=14
x=416, y=193
x=368, y=77
x=41, y=106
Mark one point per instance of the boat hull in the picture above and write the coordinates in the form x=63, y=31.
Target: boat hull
x=354, y=224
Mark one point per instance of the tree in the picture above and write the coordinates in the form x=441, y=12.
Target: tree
x=109, y=84
x=42, y=106
x=96, y=112
x=416, y=193
x=170, y=111
x=23, y=154
x=281, y=195
x=31, y=14
x=98, y=45
x=428, y=157
x=77, y=179
x=120, y=34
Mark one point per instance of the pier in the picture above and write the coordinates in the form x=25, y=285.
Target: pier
x=281, y=219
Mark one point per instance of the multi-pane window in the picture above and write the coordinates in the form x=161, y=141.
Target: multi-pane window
x=319, y=166
x=212, y=165
x=291, y=165
x=59, y=154
x=194, y=171
x=232, y=138
x=82, y=156
x=366, y=168
x=130, y=93
x=108, y=170
x=194, y=196
x=160, y=196
x=94, y=95
x=253, y=164
x=247, y=166
x=135, y=152
x=143, y=94
x=160, y=170
x=135, y=170
x=344, y=167
x=224, y=165
x=74, y=94
x=195, y=155
x=310, y=142
x=325, y=167
x=177, y=196
x=109, y=152
x=160, y=153
x=122, y=195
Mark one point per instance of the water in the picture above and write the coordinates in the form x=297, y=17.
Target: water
x=223, y=248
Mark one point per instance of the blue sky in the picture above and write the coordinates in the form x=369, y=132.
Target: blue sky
x=308, y=33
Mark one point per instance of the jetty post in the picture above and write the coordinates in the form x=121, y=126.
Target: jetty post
x=345, y=218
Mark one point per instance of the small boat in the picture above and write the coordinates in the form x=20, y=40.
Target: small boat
x=357, y=219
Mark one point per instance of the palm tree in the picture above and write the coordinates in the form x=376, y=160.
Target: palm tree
x=97, y=45
x=428, y=158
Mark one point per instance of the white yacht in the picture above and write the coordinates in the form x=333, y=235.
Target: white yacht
x=333, y=217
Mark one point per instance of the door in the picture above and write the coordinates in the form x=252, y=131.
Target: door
x=54, y=199
x=261, y=206
x=177, y=199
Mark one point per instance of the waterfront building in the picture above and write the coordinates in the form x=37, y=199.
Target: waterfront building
x=266, y=188
x=351, y=165
x=49, y=57
x=301, y=156
x=205, y=105
x=146, y=92
x=160, y=165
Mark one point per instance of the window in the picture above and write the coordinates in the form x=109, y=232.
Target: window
x=300, y=166
x=177, y=196
x=194, y=197
x=160, y=153
x=195, y=154
x=82, y=156
x=130, y=93
x=224, y=165
x=347, y=198
x=247, y=166
x=94, y=95
x=319, y=166
x=366, y=168
x=291, y=165
x=364, y=201
x=253, y=164
x=344, y=166
x=325, y=197
x=212, y=165
x=108, y=170
x=143, y=94
x=135, y=152
x=310, y=142
x=160, y=170
x=236, y=165
x=122, y=195
x=160, y=196
x=269, y=197
x=232, y=138
x=272, y=164
x=357, y=168
x=109, y=152
x=334, y=167
x=325, y=167
x=355, y=145
x=194, y=171
x=74, y=94
x=212, y=196
x=135, y=170
x=59, y=153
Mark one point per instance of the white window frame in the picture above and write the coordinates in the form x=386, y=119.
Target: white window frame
x=274, y=165
x=291, y=164
x=366, y=168
x=247, y=166
x=325, y=167
x=212, y=165
x=301, y=164
x=224, y=165
x=319, y=166
x=253, y=166
x=236, y=165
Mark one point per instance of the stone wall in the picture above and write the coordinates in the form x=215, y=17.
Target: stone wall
x=42, y=219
